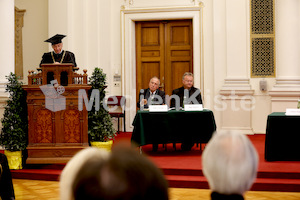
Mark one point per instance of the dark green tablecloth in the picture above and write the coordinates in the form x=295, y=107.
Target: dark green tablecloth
x=282, y=137
x=173, y=127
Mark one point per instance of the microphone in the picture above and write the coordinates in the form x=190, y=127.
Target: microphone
x=142, y=99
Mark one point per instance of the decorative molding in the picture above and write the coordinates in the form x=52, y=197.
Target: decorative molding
x=286, y=86
x=284, y=100
x=3, y=100
x=287, y=82
x=237, y=81
x=236, y=84
x=284, y=93
x=241, y=130
x=2, y=90
x=19, y=23
x=161, y=9
x=129, y=5
x=237, y=92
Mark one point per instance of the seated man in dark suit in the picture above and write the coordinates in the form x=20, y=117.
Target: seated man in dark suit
x=151, y=95
x=192, y=94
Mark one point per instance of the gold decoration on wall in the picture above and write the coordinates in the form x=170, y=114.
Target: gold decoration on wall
x=262, y=38
x=263, y=57
x=19, y=23
x=262, y=17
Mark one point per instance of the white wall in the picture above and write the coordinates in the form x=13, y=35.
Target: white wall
x=35, y=32
x=7, y=60
x=7, y=47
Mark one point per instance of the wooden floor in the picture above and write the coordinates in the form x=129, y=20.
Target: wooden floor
x=49, y=190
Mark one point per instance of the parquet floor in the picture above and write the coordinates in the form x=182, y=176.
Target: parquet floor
x=49, y=190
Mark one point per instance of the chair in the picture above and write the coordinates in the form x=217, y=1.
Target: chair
x=118, y=101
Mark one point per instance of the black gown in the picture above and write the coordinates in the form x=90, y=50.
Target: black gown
x=68, y=58
x=63, y=57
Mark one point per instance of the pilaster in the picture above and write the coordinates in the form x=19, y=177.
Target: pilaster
x=7, y=56
x=286, y=92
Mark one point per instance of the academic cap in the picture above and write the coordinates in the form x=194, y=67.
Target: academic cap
x=55, y=39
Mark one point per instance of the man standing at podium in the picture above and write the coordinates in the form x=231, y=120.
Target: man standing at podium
x=58, y=55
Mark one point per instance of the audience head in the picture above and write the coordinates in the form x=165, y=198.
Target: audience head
x=123, y=175
x=130, y=175
x=87, y=161
x=187, y=80
x=154, y=83
x=230, y=163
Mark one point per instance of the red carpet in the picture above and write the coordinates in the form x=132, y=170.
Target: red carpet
x=184, y=169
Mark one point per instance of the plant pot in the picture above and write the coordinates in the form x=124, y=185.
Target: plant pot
x=14, y=159
x=103, y=145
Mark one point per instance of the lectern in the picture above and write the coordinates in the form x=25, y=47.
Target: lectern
x=57, y=129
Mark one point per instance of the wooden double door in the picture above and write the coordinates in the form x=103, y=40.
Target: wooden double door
x=163, y=49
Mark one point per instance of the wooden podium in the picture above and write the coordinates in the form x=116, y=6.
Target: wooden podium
x=56, y=127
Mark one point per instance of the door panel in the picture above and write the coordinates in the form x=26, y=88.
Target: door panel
x=163, y=49
x=150, y=53
x=179, y=53
x=149, y=69
x=150, y=35
x=178, y=69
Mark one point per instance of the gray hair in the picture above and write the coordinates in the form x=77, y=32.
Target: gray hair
x=156, y=78
x=230, y=163
x=187, y=74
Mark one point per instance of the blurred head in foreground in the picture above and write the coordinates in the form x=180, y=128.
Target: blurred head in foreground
x=123, y=174
x=89, y=161
x=230, y=163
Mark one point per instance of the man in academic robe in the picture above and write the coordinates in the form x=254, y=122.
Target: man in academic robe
x=58, y=56
x=151, y=95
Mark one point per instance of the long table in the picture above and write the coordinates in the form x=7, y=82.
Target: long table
x=282, y=137
x=173, y=127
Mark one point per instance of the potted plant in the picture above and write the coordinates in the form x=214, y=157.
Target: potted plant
x=14, y=122
x=100, y=126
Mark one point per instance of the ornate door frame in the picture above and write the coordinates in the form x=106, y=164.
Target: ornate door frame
x=128, y=18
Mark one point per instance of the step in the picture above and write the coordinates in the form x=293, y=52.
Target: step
x=260, y=174
x=260, y=184
x=37, y=174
